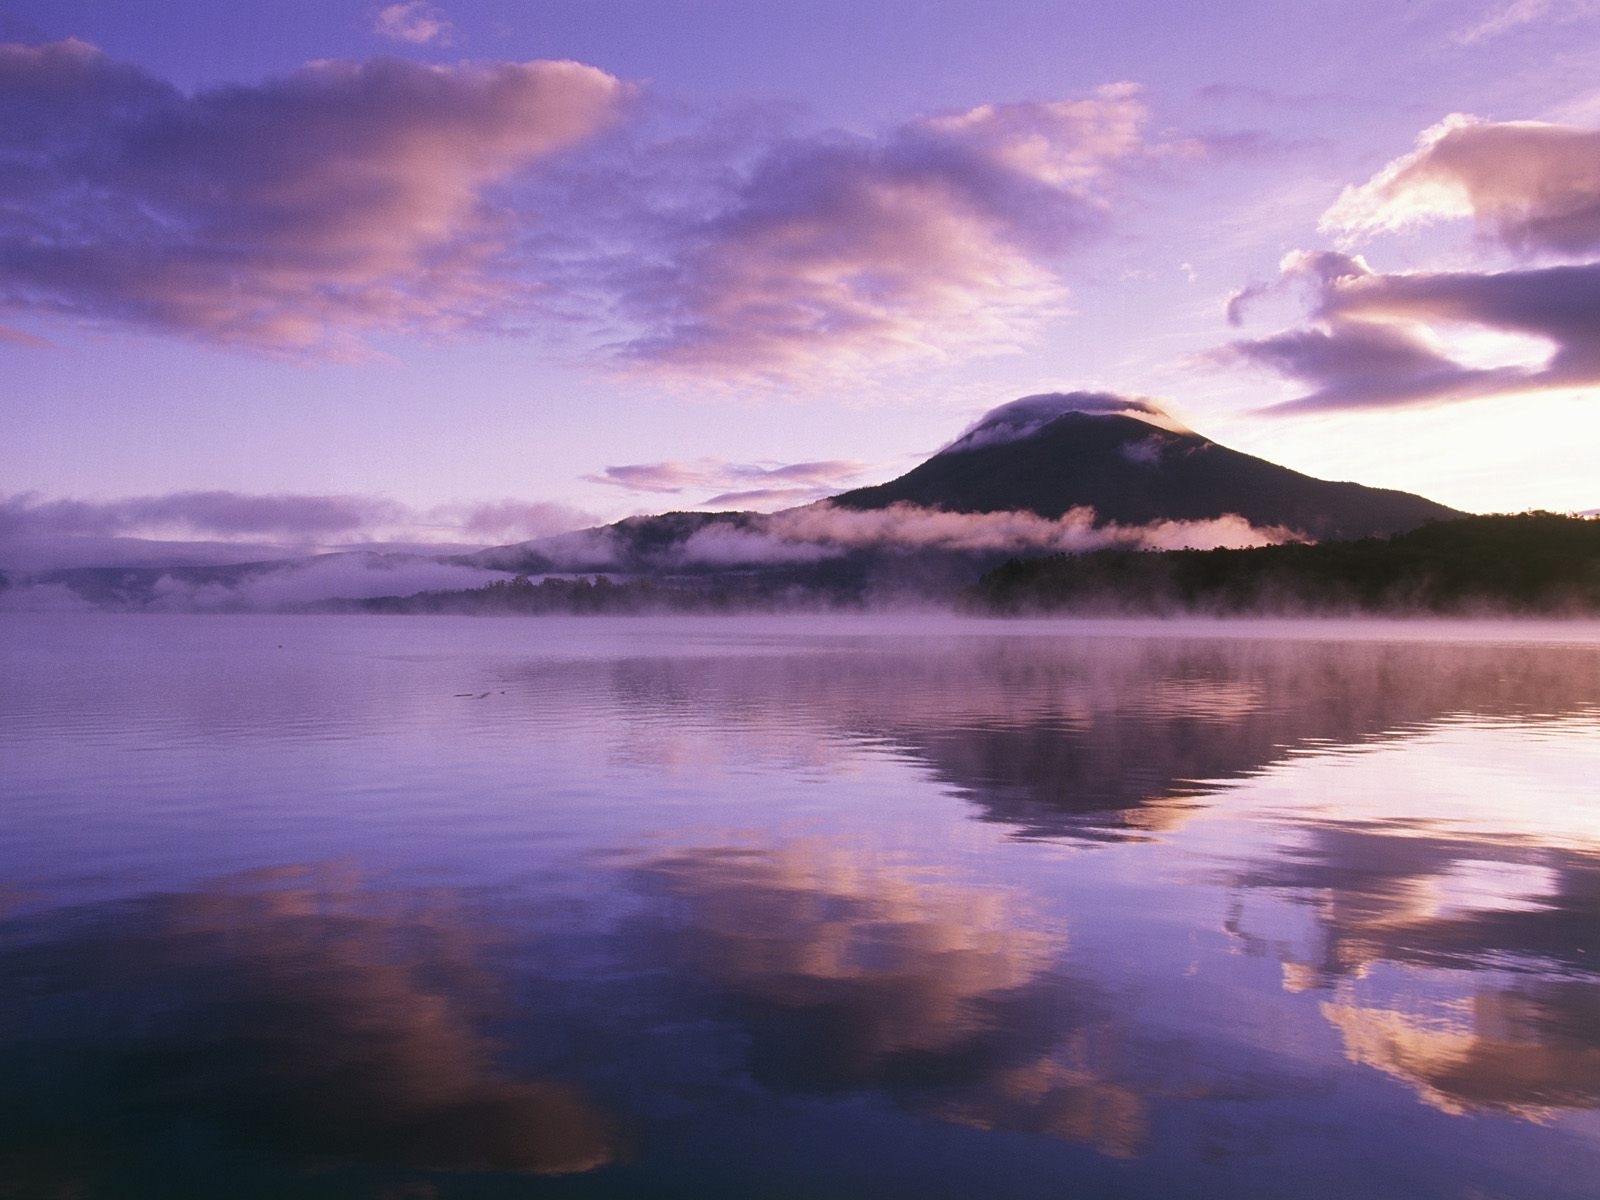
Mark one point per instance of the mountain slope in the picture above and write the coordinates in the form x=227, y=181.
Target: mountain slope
x=1132, y=464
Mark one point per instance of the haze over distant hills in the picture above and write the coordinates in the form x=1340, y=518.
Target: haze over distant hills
x=1053, y=473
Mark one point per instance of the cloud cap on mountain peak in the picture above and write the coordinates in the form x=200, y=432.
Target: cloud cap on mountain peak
x=1023, y=417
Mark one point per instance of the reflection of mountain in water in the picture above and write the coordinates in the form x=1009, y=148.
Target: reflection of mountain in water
x=848, y=975
x=290, y=1012
x=1104, y=736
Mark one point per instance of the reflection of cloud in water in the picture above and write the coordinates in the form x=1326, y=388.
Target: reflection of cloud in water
x=1527, y=1050
x=849, y=975
x=1098, y=736
x=1481, y=900
x=289, y=1009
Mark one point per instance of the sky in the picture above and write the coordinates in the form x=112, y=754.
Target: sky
x=483, y=270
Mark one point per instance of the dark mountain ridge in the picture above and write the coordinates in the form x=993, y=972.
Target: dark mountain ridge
x=1133, y=465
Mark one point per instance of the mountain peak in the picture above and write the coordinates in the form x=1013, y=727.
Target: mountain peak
x=1025, y=417
x=1132, y=463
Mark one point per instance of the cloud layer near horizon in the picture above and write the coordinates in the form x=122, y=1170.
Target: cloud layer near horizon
x=298, y=214
x=821, y=531
x=31, y=521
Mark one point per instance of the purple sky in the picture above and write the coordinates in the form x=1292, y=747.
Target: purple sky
x=485, y=268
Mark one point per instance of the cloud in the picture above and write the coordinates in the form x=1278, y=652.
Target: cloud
x=1504, y=18
x=311, y=581
x=347, y=201
x=18, y=337
x=511, y=520
x=1533, y=186
x=908, y=526
x=301, y=1012
x=46, y=532
x=416, y=22
x=218, y=514
x=1379, y=341
x=1240, y=93
x=821, y=531
x=300, y=214
x=1376, y=340
x=845, y=975
x=751, y=484
x=935, y=237
x=1022, y=418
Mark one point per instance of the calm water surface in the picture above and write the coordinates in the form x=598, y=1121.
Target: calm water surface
x=411, y=908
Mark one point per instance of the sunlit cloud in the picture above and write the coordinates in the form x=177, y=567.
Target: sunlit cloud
x=1533, y=186
x=416, y=22
x=319, y=211
x=300, y=214
x=1371, y=340
x=936, y=238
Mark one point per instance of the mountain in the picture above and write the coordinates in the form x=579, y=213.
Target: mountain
x=1072, y=472
x=1133, y=464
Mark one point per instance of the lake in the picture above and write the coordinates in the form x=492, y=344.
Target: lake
x=437, y=907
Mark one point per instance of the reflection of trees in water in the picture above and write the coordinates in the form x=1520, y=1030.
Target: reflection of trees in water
x=290, y=1009
x=1105, y=736
x=1501, y=939
x=847, y=975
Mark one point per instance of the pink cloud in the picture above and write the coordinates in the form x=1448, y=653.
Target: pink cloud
x=1371, y=340
x=1533, y=185
x=755, y=484
x=18, y=337
x=300, y=214
x=312, y=213
x=938, y=236
x=414, y=21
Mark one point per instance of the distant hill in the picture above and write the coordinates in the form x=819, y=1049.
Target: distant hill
x=1534, y=563
x=1133, y=464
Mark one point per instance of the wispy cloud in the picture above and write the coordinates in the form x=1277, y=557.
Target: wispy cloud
x=296, y=214
x=19, y=337
x=415, y=21
x=756, y=485
x=289, y=518
x=1503, y=18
